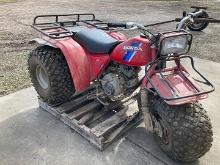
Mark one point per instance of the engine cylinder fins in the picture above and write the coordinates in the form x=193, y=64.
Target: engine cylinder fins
x=112, y=84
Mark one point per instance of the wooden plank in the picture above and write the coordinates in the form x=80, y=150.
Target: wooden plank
x=76, y=101
x=83, y=131
x=85, y=109
x=96, y=117
x=110, y=123
x=71, y=105
x=117, y=131
x=134, y=123
x=48, y=108
x=86, y=118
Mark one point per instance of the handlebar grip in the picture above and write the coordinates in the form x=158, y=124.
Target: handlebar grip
x=116, y=25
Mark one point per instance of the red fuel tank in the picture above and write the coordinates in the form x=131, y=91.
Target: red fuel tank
x=134, y=52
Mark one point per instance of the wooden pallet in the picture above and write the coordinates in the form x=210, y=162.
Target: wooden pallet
x=98, y=124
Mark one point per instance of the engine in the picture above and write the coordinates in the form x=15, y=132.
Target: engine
x=119, y=80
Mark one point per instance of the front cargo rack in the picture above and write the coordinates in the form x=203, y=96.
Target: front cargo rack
x=171, y=79
x=58, y=26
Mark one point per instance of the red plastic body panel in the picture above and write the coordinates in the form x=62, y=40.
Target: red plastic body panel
x=179, y=83
x=84, y=67
x=118, y=36
x=97, y=64
x=134, y=52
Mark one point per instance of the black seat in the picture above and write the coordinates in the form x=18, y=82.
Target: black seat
x=95, y=40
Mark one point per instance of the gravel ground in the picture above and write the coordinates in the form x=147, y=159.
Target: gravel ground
x=16, y=16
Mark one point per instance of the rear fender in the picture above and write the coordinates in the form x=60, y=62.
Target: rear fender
x=76, y=58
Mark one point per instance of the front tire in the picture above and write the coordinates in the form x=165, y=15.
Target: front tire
x=50, y=75
x=186, y=129
x=199, y=26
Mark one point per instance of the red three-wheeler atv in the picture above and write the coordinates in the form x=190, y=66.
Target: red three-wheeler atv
x=75, y=55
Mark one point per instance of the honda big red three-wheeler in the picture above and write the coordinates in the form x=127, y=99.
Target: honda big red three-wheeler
x=84, y=53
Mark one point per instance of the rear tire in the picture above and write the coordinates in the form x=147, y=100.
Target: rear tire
x=50, y=75
x=199, y=26
x=187, y=131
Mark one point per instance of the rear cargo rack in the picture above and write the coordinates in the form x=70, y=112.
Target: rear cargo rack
x=56, y=26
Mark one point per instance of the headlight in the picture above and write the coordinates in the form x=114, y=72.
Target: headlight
x=175, y=43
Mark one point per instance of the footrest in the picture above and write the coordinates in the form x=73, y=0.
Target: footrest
x=93, y=121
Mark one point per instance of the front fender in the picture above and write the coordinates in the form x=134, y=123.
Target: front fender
x=76, y=58
x=164, y=91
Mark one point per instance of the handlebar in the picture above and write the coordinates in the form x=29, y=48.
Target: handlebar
x=123, y=25
x=131, y=26
x=126, y=26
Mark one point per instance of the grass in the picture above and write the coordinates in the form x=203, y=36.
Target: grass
x=13, y=73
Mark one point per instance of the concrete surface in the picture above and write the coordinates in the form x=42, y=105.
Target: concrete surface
x=29, y=135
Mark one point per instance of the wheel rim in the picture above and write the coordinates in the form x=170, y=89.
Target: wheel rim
x=42, y=77
x=162, y=132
